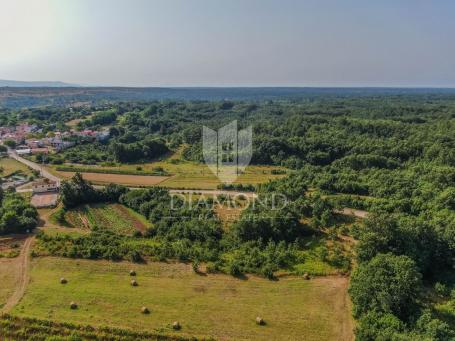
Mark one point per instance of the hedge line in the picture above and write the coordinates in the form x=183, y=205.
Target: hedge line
x=27, y=329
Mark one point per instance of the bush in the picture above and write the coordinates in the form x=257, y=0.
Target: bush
x=59, y=216
x=16, y=215
x=376, y=326
x=441, y=289
x=267, y=271
x=212, y=268
x=235, y=269
x=195, y=266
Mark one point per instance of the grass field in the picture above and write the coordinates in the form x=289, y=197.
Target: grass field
x=185, y=174
x=75, y=122
x=10, y=247
x=214, y=305
x=9, y=277
x=10, y=166
x=115, y=217
x=128, y=180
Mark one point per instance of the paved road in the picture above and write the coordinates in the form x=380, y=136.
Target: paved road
x=33, y=165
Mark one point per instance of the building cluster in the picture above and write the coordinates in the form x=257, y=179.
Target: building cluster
x=18, y=133
x=57, y=142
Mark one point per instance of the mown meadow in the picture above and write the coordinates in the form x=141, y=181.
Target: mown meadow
x=206, y=305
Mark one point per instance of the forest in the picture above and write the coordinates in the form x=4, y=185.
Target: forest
x=392, y=155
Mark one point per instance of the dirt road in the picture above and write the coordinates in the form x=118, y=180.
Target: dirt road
x=345, y=211
x=23, y=267
x=352, y=212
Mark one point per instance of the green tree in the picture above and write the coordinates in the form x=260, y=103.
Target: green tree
x=386, y=284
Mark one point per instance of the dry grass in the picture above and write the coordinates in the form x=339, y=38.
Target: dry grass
x=10, y=268
x=219, y=306
x=10, y=166
x=75, y=122
x=185, y=174
x=129, y=180
x=9, y=278
x=11, y=242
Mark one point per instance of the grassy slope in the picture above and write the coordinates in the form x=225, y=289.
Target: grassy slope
x=214, y=305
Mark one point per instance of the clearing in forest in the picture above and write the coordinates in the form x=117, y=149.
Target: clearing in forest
x=212, y=305
x=183, y=174
x=124, y=179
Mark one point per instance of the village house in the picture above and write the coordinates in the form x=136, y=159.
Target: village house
x=18, y=133
x=45, y=193
x=16, y=137
x=34, y=143
x=23, y=150
x=25, y=128
x=44, y=186
x=43, y=150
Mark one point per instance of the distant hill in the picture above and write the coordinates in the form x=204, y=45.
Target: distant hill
x=34, y=84
x=36, y=96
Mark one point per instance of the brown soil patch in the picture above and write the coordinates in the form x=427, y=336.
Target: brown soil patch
x=130, y=180
x=11, y=242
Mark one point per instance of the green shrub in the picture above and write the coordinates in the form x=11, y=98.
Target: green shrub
x=441, y=289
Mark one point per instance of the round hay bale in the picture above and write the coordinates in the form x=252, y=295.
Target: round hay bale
x=306, y=276
x=132, y=273
x=134, y=283
x=260, y=321
x=145, y=310
x=176, y=325
x=63, y=280
x=73, y=305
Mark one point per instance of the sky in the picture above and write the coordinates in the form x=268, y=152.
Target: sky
x=405, y=43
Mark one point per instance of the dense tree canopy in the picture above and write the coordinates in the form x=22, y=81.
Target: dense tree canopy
x=392, y=155
x=16, y=214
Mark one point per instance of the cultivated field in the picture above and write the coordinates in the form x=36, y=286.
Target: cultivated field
x=184, y=174
x=10, y=166
x=220, y=306
x=115, y=217
x=128, y=180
